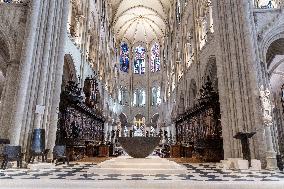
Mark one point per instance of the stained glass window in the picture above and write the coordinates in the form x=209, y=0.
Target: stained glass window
x=124, y=57
x=155, y=58
x=139, y=60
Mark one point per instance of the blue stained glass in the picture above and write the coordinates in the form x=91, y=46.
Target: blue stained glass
x=124, y=57
x=139, y=61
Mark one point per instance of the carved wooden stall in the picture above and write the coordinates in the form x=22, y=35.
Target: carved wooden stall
x=80, y=125
x=199, y=129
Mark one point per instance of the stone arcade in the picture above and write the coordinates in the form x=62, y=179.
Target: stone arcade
x=77, y=77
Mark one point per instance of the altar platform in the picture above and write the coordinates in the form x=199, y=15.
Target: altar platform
x=151, y=165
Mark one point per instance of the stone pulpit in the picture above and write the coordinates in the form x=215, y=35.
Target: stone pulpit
x=244, y=137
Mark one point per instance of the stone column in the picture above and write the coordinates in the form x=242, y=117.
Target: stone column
x=105, y=130
x=84, y=32
x=211, y=28
x=113, y=129
x=27, y=126
x=118, y=124
x=163, y=128
x=48, y=44
x=173, y=129
x=52, y=69
x=271, y=162
x=58, y=77
x=110, y=129
x=238, y=72
x=25, y=70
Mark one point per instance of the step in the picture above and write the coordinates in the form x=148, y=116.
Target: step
x=130, y=171
x=141, y=165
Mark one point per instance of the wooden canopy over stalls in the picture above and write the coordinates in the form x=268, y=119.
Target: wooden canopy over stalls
x=79, y=125
x=200, y=126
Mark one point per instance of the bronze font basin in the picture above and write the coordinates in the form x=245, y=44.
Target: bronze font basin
x=139, y=147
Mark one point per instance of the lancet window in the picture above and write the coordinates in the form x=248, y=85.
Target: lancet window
x=139, y=98
x=124, y=57
x=139, y=60
x=155, y=58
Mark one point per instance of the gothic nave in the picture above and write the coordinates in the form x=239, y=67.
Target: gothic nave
x=142, y=94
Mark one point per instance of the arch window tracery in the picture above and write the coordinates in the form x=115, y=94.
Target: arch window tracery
x=123, y=96
x=139, y=98
x=156, y=96
x=155, y=58
x=189, y=54
x=139, y=60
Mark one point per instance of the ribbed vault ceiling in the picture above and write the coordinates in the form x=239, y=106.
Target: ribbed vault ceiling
x=140, y=20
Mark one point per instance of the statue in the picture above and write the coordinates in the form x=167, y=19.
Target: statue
x=267, y=119
x=75, y=129
x=87, y=89
x=131, y=133
x=125, y=131
x=266, y=106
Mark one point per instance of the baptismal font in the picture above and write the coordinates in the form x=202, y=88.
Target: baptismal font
x=139, y=144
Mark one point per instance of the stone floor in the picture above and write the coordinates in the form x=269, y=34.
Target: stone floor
x=206, y=175
x=196, y=172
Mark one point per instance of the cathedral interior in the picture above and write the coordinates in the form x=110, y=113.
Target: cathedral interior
x=90, y=88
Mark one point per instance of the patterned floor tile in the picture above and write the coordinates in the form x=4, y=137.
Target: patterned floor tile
x=195, y=172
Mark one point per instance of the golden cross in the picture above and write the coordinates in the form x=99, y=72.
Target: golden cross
x=139, y=122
